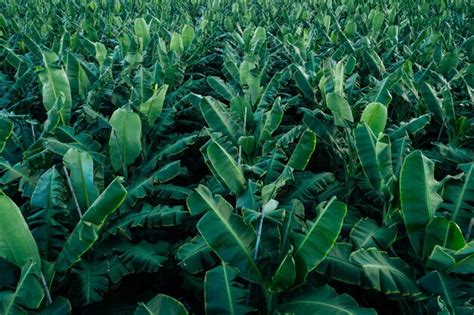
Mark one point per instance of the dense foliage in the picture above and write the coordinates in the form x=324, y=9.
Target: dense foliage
x=233, y=157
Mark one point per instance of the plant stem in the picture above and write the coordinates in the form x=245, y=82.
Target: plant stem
x=72, y=191
x=46, y=289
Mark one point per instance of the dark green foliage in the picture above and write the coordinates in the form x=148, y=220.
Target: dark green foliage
x=234, y=157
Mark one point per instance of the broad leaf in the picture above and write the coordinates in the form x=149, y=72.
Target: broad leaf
x=55, y=87
x=390, y=275
x=223, y=295
x=375, y=116
x=161, y=304
x=340, y=109
x=225, y=232
x=125, y=138
x=303, y=151
x=322, y=300
x=226, y=167
x=82, y=176
x=28, y=292
x=312, y=246
x=87, y=230
x=418, y=196
x=440, y=231
x=17, y=244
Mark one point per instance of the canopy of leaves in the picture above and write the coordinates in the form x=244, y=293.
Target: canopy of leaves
x=233, y=157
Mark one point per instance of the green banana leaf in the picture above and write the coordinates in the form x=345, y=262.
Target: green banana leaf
x=340, y=109
x=225, y=232
x=367, y=233
x=390, y=275
x=273, y=118
x=458, y=194
x=338, y=266
x=125, y=138
x=218, y=118
x=323, y=300
x=303, y=83
x=440, y=231
x=142, y=31
x=449, y=289
x=222, y=294
x=418, y=196
x=60, y=306
x=187, y=34
x=375, y=116
x=366, y=144
x=28, y=293
x=432, y=101
x=17, y=244
x=55, y=86
x=6, y=129
x=195, y=256
x=304, y=150
x=312, y=246
x=222, y=88
x=226, y=167
x=285, y=275
x=163, y=305
x=81, y=166
x=176, y=43
x=50, y=196
x=87, y=230
x=152, y=108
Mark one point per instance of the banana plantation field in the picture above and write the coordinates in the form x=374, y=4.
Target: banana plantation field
x=236, y=157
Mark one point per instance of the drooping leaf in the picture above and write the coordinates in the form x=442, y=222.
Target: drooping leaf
x=223, y=89
x=143, y=256
x=93, y=279
x=148, y=217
